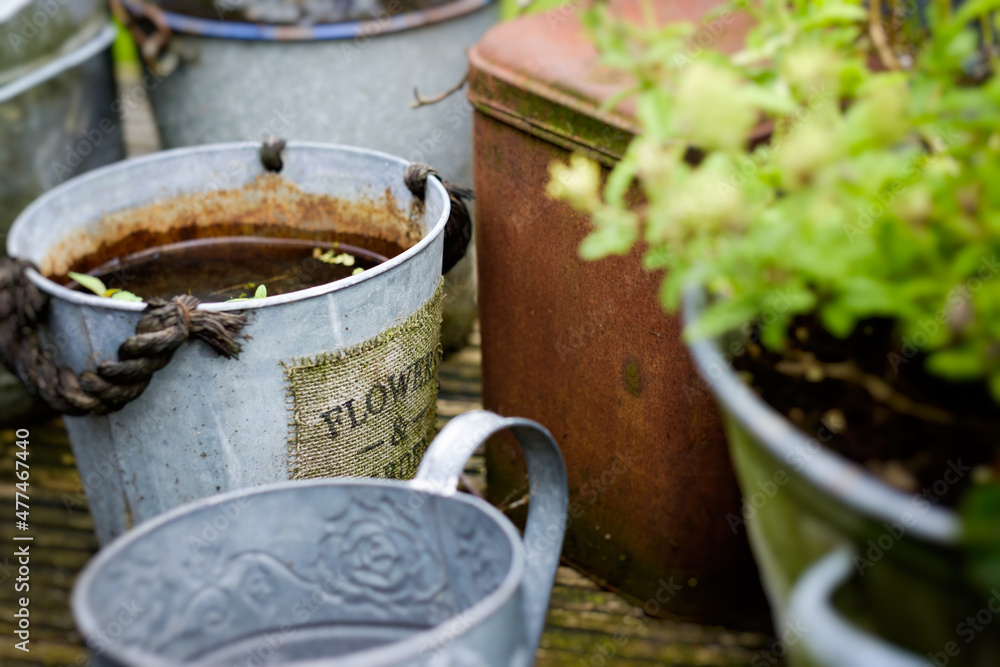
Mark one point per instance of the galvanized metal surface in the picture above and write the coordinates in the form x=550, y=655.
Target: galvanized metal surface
x=205, y=424
x=353, y=91
x=585, y=348
x=913, y=589
x=832, y=640
x=367, y=572
x=57, y=120
x=36, y=32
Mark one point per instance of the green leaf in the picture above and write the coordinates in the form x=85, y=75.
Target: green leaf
x=833, y=13
x=92, y=283
x=261, y=292
x=721, y=317
x=837, y=319
x=972, y=9
x=122, y=295
x=770, y=100
x=956, y=364
x=608, y=240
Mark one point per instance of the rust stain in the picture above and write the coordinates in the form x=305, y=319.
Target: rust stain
x=567, y=342
x=269, y=206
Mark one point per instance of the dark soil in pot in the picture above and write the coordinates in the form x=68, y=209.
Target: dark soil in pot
x=218, y=263
x=869, y=398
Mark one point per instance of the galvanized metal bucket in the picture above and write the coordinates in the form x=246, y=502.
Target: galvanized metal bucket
x=803, y=500
x=56, y=113
x=206, y=424
x=357, y=573
x=56, y=97
x=347, y=83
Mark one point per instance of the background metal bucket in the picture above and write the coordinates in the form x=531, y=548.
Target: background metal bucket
x=348, y=83
x=807, y=501
x=828, y=637
x=56, y=96
x=357, y=573
x=56, y=119
x=206, y=424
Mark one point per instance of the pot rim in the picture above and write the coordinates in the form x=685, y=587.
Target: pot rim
x=56, y=66
x=373, y=27
x=56, y=290
x=388, y=654
x=837, y=476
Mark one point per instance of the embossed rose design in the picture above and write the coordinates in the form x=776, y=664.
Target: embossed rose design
x=380, y=552
x=375, y=560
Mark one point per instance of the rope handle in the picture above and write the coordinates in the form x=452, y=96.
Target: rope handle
x=164, y=326
x=458, y=229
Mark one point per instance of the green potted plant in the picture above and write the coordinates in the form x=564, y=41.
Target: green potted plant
x=823, y=198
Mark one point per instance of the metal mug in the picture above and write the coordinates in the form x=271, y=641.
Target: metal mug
x=368, y=572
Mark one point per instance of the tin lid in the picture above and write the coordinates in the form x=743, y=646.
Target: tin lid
x=540, y=73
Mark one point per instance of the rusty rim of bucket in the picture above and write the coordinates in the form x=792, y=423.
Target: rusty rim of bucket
x=391, y=653
x=92, y=177
x=381, y=24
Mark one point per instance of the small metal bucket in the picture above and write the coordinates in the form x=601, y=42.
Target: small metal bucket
x=356, y=573
x=350, y=82
x=206, y=424
x=56, y=113
x=56, y=97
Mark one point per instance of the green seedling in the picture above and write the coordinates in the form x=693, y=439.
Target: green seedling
x=96, y=285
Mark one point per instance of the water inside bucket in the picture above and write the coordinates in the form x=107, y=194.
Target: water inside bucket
x=219, y=268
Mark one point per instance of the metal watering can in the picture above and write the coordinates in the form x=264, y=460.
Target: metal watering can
x=352, y=572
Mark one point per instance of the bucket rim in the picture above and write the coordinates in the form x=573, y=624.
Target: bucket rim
x=56, y=66
x=56, y=290
x=373, y=27
x=388, y=654
x=833, y=474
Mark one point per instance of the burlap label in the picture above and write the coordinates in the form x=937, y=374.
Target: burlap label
x=369, y=411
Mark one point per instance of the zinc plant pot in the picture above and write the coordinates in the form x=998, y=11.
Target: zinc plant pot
x=206, y=424
x=56, y=117
x=801, y=501
x=350, y=82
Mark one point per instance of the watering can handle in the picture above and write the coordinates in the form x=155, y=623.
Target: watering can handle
x=828, y=638
x=543, y=536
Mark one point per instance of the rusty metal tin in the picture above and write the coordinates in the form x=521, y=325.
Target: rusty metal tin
x=585, y=347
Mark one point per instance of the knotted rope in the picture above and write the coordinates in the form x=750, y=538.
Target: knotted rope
x=458, y=229
x=165, y=325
